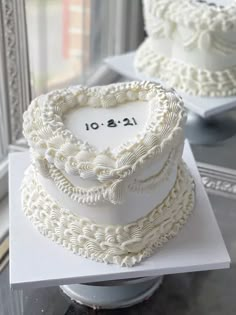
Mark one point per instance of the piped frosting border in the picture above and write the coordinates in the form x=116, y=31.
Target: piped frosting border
x=123, y=245
x=52, y=143
x=185, y=77
x=103, y=192
x=192, y=14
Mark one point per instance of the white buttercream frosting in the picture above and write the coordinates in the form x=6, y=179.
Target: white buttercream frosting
x=125, y=245
x=55, y=148
x=185, y=77
x=115, y=202
x=191, y=45
x=193, y=14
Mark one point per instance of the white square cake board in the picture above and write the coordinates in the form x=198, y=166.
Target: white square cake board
x=36, y=261
x=203, y=106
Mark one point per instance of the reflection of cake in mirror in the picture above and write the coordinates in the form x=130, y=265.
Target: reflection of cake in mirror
x=107, y=179
x=191, y=45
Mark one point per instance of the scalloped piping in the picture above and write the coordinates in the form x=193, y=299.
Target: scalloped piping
x=210, y=41
x=123, y=245
x=185, y=77
x=150, y=183
x=107, y=191
x=200, y=39
x=193, y=15
x=50, y=140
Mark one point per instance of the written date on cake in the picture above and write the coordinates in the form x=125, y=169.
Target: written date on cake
x=111, y=123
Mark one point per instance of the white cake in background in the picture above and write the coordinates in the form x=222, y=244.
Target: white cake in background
x=107, y=178
x=191, y=45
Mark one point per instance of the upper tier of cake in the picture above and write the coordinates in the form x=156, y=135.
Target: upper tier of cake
x=191, y=45
x=91, y=145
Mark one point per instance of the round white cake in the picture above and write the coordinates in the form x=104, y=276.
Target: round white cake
x=107, y=178
x=191, y=45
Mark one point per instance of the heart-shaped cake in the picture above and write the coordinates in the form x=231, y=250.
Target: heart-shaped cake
x=107, y=179
x=191, y=45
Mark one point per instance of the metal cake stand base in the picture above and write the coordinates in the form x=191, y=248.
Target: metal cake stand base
x=113, y=294
x=210, y=130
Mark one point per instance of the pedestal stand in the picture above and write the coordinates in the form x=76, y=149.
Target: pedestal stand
x=113, y=294
x=210, y=130
x=208, y=120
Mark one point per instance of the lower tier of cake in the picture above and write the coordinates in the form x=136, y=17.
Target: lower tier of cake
x=185, y=77
x=125, y=245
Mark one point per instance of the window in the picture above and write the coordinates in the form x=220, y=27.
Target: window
x=68, y=39
x=55, y=43
x=14, y=80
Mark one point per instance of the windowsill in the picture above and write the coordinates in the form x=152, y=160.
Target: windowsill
x=3, y=178
x=4, y=217
x=19, y=146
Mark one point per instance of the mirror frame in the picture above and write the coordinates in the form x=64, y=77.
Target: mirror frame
x=15, y=63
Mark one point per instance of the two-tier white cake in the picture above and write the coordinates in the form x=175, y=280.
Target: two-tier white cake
x=191, y=45
x=107, y=179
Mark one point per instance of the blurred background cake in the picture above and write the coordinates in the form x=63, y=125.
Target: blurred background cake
x=191, y=45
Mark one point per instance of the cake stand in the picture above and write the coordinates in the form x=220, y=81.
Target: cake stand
x=36, y=261
x=113, y=294
x=209, y=119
